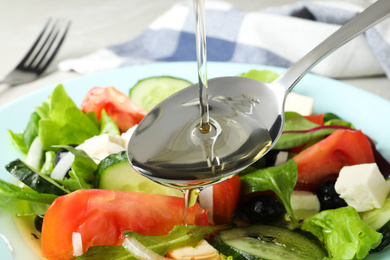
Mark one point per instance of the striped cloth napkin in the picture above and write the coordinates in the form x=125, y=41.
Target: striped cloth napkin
x=274, y=36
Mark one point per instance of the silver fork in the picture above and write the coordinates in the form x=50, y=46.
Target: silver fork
x=41, y=53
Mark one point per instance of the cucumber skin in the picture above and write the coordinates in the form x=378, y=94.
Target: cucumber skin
x=115, y=173
x=146, y=90
x=217, y=243
x=385, y=231
x=32, y=179
x=107, y=162
x=262, y=232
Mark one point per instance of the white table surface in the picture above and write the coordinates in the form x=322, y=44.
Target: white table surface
x=97, y=24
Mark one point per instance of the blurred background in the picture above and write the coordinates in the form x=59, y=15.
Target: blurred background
x=97, y=24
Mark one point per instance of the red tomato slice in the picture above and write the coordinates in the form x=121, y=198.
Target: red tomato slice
x=101, y=217
x=328, y=156
x=225, y=198
x=317, y=119
x=118, y=106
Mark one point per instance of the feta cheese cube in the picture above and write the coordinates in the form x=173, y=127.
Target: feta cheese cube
x=203, y=251
x=304, y=204
x=304, y=200
x=101, y=146
x=281, y=158
x=362, y=186
x=127, y=135
x=299, y=103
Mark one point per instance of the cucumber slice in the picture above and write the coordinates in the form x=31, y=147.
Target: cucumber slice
x=115, y=173
x=266, y=242
x=147, y=93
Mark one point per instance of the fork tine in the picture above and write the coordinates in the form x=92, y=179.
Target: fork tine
x=28, y=54
x=41, y=53
x=45, y=44
x=55, y=50
x=35, y=60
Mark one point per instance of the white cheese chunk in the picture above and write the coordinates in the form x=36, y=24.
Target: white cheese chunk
x=97, y=147
x=304, y=204
x=100, y=146
x=203, y=251
x=299, y=103
x=127, y=135
x=281, y=158
x=362, y=186
x=304, y=200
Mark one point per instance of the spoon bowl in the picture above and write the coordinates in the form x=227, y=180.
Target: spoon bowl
x=247, y=118
x=184, y=158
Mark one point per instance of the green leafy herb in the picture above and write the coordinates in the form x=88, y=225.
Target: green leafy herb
x=180, y=236
x=74, y=182
x=343, y=233
x=295, y=132
x=23, y=200
x=280, y=179
x=106, y=253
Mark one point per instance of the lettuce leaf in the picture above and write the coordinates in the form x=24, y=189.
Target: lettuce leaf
x=280, y=179
x=343, y=233
x=108, y=125
x=65, y=123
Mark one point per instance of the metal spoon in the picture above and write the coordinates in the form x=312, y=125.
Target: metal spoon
x=154, y=132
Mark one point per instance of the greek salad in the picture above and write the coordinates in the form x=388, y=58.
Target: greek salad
x=322, y=192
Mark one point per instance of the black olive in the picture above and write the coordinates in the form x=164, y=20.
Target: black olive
x=38, y=221
x=328, y=197
x=263, y=209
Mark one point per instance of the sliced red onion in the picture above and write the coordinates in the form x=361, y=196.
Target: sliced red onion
x=77, y=244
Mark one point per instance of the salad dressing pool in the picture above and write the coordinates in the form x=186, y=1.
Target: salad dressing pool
x=29, y=234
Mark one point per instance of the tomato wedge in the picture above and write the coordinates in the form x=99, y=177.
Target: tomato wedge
x=101, y=217
x=328, y=156
x=317, y=119
x=221, y=200
x=225, y=198
x=118, y=106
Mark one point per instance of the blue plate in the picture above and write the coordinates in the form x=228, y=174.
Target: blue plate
x=365, y=110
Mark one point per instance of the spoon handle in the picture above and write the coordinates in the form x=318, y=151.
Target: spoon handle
x=371, y=16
